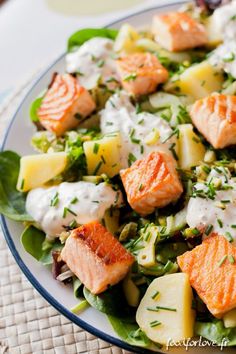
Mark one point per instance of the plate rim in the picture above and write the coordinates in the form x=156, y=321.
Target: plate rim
x=9, y=240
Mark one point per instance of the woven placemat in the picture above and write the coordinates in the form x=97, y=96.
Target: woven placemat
x=28, y=324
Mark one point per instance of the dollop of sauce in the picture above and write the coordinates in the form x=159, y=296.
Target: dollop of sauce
x=218, y=210
x=58, y=206
x=224, y=56
x=93, y=62
x=136, y=129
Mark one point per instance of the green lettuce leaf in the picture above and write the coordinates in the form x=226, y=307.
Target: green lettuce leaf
x=80, y=37
x=12, y=202
x=216, y=332
x=32, y=240
x=34, y=108
x=129, y=332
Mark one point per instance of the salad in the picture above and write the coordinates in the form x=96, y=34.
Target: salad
x=130, y=197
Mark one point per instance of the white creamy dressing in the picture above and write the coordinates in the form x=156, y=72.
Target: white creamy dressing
x=93, y=62
x=120, y=115
x=224, y=57
x=86, y=202
x=202, y=212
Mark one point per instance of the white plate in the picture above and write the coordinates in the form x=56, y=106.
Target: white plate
x=17, y=138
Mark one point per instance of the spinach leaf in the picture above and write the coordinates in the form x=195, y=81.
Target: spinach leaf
x=80, y=37
x=112, y=302
x=34, y=108
x=12, y=202
x=216, y=332
x=32, y=241
x=129, y=332
x=77, y=287
x=46, y=256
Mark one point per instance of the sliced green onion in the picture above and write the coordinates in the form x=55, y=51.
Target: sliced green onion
x=80, y=307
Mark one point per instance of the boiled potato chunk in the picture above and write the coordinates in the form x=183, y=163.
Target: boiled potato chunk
x=229, y=319
x=174, y=317
x=197, y=81
x=191, y=150
x=103, y=155
x=35, y=170
x=126, y=38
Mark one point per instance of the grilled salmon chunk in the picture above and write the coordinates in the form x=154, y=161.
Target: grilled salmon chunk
x=151, y=182
x=140, y=73
x=215, y=117
x=96, y=257
x=64, y=104
x=178, y=31
x=212, y=273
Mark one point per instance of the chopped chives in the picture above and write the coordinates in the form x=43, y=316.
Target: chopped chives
x=140, y=187
x=74, y=200
x=100, y=63
x=165, y=308
x=155, y=323
x=220, y=223
x=80, y=307
x=95, y=148
x=97, y=168
x=68, y=210
x=231, y=259
x=233, y=226
x=228, y=236
x=172, y=149
x=141, y=121
x=131, y=159
x=141, y=149
x=208, y=229
x=146, y=238
x=222, y=260
x=103, y=160
x=130, y=77
x=22, y=184
x=155, y=294
x=55, y=200
x=154, y=309
x=225, y=201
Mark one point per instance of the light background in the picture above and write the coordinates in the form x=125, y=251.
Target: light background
x=34, y=32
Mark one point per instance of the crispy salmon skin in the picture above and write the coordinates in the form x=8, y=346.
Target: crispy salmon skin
x=215, y=117
x=96, y=257
x=212, y=273
x=178, y=31
x=64, y=104
x=151, y=182
x=140, y=73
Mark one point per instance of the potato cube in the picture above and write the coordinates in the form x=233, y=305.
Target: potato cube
x=197, y=81
x=35, y=170
x=191, y=150
x=165, y=312
x=104, y=155
x=126, y=38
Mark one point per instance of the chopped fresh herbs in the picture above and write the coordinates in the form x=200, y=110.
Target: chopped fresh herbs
x=154, y=296
x=223, y=259
x=228, y=236
x=103, y=159
x=96, y=148
x=155, y=323
x=208, y=230
x=231, y=259
x=131, y=159
x=55, y=200
x=130, y=77
x=97, y=168
x=100, y=63
x=220, y=223
x=229, y=58
x=68, y=210
x=74, y=200
x=165, y=308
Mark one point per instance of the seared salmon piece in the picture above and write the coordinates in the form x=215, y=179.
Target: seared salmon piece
x=178, y=31
x=64, y=104
x=212, y=272
x=140, y=73
x=151, y=182
x=96, y=257
x=215, y=117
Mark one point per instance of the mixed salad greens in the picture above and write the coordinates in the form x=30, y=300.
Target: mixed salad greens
x=157, y=239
